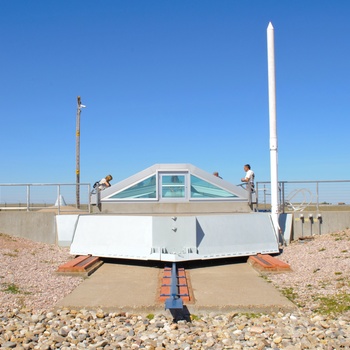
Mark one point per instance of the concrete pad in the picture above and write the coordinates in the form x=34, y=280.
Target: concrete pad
x=235, y=287
x=116, y=287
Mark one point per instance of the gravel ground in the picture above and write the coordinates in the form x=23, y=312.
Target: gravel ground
x=320, y=271
x=27, y=274
x=30, y=289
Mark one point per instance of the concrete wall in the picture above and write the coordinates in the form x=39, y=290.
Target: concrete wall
x=331, y=221
x=143, y=208
x=39, y=227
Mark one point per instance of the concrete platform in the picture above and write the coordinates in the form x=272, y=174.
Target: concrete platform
x=233, y=287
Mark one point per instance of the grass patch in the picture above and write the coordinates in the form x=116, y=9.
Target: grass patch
x=150, y=316
x=266, y=278
x=338, y=273
x=322, y=249
x=12, y=255
x=12, y=289
x=340, y=236
x=335, y=304
x=323, y=284
x=10, y=238
x=47, y=262
x=251, y=315
x=289, y=293
x=194, y=317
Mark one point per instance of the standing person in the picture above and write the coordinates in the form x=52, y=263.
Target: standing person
x=105, y=182
x=249, y=178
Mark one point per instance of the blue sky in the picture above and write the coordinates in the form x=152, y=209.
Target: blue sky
x=172, y=82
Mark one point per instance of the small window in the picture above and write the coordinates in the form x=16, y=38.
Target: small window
x=204, y=189
x=144, y=189
x=173, y=186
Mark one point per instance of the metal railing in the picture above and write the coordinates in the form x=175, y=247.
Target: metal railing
x=37, y=196
x=304, y=195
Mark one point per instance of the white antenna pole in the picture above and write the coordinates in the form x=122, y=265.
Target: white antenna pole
x=273, y=126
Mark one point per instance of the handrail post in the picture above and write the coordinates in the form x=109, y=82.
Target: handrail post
x=28, y=197
x=89, y=198
x=317, y=198
x=283, y=199
x=98, y=197
x=58, y=199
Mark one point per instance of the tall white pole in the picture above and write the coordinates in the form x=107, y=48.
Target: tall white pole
x=273, y=126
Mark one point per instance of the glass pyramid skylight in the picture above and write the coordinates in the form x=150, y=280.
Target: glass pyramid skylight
x=173, y=183
x=146, y=188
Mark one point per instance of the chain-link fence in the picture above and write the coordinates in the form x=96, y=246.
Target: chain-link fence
x=306, y=195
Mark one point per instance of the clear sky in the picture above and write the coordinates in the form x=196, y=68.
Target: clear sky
x=172, y=82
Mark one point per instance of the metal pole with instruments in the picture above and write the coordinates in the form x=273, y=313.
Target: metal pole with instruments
x=77, y=150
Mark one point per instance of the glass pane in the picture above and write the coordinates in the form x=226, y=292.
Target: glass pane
x=204, y=189
x=173, y=186
x=144, y=189
x=173, y=179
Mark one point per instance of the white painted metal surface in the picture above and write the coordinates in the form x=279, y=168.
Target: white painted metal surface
x=171, y=238
x=113, y=236
x=66, y=225
x=235, y=235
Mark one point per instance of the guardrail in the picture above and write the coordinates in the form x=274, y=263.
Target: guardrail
x=304, y=195
x=37, y=196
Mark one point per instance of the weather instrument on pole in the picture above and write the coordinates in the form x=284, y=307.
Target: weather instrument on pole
x=77, y=150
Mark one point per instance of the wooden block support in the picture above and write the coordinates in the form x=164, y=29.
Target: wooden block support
x=268, y=263
x=81, y=265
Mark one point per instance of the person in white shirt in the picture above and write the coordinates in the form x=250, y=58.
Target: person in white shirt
x=104, y=183
x=249, y=178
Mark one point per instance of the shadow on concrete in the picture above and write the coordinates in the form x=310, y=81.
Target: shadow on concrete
x=131, y=262
x=195, y=264
x=198, y=264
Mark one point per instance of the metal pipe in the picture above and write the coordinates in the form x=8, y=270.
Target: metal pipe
x=77, y=152
x=302, y=225
x=283, y=199
x=174, y=302
x=59, y=199
x=273, y=127
x=89, y=198
x=320, y=220
x=28, y=197
x=311, y=219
